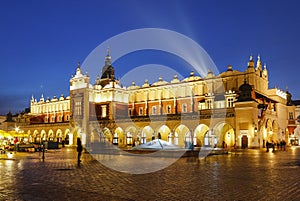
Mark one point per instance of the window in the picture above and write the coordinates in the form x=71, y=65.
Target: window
x=184, y=107
x=67, y=118
x=154, y=110
x=103, y=111
x=168, y=109
x=59, y=118
x=230, y=102
x=78, y=108
x=209, y=104
x=140, y=110
x=53, y=118
x=291, y=115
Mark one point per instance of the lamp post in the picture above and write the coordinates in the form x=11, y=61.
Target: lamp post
x=129, y=139
x=115, y=139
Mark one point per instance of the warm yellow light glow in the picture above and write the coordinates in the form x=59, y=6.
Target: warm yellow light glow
x=10, y=155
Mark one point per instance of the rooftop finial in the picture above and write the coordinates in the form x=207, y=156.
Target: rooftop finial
x=108, y=57
x=251, y=57
x=78, y=64
x=108, y=51
x=258, y=57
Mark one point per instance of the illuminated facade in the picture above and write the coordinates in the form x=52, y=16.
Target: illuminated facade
x=232, y=109
x=294, y=124
x=48, y=120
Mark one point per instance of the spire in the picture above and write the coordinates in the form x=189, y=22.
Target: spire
x=108, y=58
x=251, y=62
x=78, y=70
x=42, y=98
x=258, y=63
x=265, y=71
x=251, y=57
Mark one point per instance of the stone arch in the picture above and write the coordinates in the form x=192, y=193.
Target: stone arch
x=181, y=131
x=107, y=134
x=147, y=133
x=36, y=136
x=58, y=135
x=131, y=129
x=130, y=135
x=67, y=136
x=121, y=136
x=30, y=136
x=51, y=135
x=225, y=135
x=199, y=134
x=164, y=132
x=44, y=135
x=210, y=139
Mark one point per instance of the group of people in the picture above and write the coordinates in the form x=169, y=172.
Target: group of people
x=280, y=145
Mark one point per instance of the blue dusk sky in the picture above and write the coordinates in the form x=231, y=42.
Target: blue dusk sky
x=42, y=41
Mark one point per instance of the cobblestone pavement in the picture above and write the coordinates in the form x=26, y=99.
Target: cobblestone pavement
x=241, y=175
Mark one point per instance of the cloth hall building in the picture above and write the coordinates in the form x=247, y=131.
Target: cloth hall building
x=232, y=109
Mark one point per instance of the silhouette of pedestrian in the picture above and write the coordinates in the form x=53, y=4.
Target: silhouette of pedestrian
x=79, y=150
x=267, y=145
x=284, y=145
x=153, y=137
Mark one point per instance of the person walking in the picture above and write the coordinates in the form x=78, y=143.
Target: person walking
x=79, y=150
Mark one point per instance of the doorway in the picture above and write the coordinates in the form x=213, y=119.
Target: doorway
x=244, y=142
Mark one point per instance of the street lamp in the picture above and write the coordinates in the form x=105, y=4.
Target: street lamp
x=115, y=139
x=129, y=139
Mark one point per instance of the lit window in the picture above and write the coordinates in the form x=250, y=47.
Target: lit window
x=209, y=104
x=103, y=111
x=169, y=109
x=184, y=107
x=291, y=115
x=230, y=102
x=140, y=111
x=154, y=110
x=78, y=108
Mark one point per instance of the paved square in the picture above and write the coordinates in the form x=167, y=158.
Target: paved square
x=241, y=175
